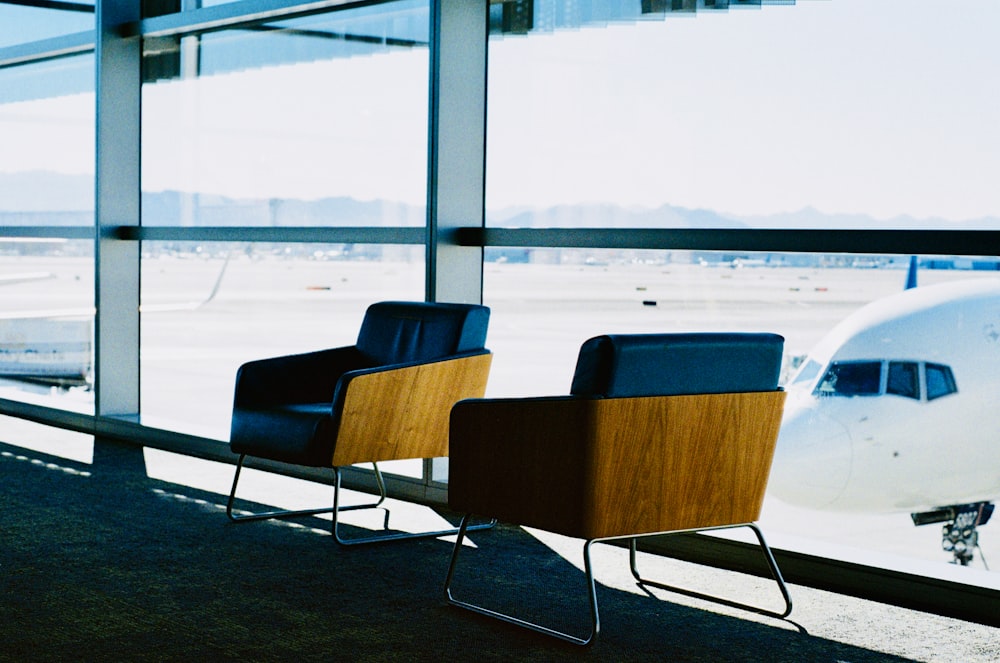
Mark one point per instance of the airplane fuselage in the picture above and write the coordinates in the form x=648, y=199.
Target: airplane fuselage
x=897, y=409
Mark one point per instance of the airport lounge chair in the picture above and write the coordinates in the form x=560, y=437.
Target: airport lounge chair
x=387, y=397
x=661, y=433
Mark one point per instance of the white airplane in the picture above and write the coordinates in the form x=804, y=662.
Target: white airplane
x=897, y=410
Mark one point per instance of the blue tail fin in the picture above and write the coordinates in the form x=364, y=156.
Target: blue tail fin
x=911, y=274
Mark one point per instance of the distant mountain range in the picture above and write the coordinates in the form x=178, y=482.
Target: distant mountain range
x=55, y=199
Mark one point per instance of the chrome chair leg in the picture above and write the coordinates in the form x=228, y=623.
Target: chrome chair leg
x=336, y=509
x=267, y=515
x=768, y=556
x=592, y=593
x=386, y=536
x=510, y=619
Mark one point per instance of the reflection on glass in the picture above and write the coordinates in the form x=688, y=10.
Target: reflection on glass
x=848, y=471
x=46, y=325
x=47, y=284
x=20, y=24
x=780, y=121
x=287, y=125
x=771, y=118
x=47, y=134
x=852, y=378
x=209, y=307
x=363, y=31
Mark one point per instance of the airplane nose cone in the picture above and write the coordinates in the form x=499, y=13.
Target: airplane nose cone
x=812, y=461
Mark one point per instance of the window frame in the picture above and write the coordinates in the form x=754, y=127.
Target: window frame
x=950, y=385
x=455, y=239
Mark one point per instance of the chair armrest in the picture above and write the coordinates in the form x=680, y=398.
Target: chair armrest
x=605, y=467
x=401, y=411
x=309, y=377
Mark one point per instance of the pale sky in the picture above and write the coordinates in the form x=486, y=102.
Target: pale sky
x=876, y=106
x=882, y=107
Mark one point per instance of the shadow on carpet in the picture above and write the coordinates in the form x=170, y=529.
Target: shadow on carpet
x=101, y=563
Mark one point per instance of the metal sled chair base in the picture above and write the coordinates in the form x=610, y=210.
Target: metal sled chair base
x=337, y=509
x=592, y=589
x=771, y=565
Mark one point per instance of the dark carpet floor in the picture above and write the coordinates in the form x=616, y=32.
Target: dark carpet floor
x=101, y=563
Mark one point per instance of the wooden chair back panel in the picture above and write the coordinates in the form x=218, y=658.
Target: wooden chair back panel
x=404, y=413
x=520, y=460
x=679, y=462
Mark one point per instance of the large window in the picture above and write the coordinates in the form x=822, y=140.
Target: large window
x=208, y=307
x=307, y=123
x=266, y=170
x=47, y=133
x=842, y=115
x=833, y=114
x=47, y=212
x=315, y=122
x=30, y=21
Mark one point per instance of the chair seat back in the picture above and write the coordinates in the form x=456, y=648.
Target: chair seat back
x=403, y=332
x=627, y=365
x=663, y=432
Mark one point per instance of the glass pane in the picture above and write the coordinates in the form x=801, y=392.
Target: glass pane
x=854, y=378
x=770, y=118
x=22, y=24
x=71, y=77
x=848, y=471
x=47, y=134
x=564, y=296
x=385, y=28
x=47, y=283
x=46, y=325
x=940, y=381
x=209, y=307
x=903, y=379
x=283, y=125
x=775, y=118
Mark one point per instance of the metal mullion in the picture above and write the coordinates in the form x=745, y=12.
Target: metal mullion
x=46, y=232
x=874, y=241
x=232, y=15
x=57, y=5
x=76, y=43
x=117, y=204
x=456, y=155
x=319, y=234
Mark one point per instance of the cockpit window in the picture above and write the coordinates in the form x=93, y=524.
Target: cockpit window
x=940, y=381
x=903, y=379
x=854, y=378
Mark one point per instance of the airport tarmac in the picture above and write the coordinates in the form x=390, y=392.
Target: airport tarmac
x=275, y=304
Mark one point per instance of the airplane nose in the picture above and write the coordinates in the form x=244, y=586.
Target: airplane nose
x=812, y=461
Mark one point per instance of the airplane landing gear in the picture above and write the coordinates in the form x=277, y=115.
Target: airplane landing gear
x=958, y=534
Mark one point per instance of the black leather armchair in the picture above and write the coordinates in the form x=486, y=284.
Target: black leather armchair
x=387, y=397
x=661, y=433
